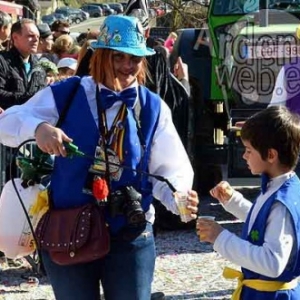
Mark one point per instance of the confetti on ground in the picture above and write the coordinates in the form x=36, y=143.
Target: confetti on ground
x=186, y=269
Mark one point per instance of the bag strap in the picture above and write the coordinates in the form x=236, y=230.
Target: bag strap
x=61, y=119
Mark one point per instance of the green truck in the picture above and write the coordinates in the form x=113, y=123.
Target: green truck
x=233, y=60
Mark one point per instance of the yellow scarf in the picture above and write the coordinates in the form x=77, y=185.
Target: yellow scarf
x=257, y=284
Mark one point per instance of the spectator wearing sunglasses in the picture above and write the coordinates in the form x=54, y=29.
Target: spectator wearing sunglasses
x=60, y=27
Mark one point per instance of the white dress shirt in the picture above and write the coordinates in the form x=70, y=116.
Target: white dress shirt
x=272, y=258
x=168, y=157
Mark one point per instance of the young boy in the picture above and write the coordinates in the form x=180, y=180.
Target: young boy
x=268, y=250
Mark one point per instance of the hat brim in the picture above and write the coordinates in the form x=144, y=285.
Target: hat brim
x=129, y=50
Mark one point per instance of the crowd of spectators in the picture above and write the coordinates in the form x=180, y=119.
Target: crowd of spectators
x=32, y=56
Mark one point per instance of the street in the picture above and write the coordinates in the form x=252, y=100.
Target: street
x=185, y=269
x=92, y=24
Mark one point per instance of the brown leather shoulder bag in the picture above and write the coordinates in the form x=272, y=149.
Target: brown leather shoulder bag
x=74, y=235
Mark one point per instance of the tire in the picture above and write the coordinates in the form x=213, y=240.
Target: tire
x=96, y=15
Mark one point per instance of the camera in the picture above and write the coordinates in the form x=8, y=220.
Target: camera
x=127, y=201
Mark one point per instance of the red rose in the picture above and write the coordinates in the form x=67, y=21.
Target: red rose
x=100, y=189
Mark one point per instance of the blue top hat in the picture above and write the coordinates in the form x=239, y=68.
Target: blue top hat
x=124, y=34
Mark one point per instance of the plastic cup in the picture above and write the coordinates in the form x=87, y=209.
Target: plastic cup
x=211, y=218
x=181, y=201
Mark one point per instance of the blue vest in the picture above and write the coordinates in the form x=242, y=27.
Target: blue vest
x=288, y=195
x=69, y=175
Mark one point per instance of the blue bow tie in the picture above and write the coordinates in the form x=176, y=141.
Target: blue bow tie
x=108, y=97
x=265, y=179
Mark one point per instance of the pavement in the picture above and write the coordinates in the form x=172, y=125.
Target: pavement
x=185, y=267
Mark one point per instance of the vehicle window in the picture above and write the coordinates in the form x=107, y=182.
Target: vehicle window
x=231, y=7
x=242, y=7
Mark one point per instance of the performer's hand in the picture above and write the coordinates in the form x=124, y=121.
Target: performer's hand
x=193, y=202
x=50, y=139
x=1, y=110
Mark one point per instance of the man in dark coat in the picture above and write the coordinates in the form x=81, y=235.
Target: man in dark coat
x=20, y=77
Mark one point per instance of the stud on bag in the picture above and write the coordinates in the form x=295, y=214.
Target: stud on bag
x=75, y=235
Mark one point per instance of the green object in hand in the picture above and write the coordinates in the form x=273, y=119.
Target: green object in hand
x=72, y=150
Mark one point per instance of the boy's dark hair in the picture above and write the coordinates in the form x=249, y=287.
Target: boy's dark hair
x=274, y=128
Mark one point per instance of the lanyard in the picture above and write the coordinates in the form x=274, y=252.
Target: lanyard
x=102, y=120
x=102, y=127
x=107, y=135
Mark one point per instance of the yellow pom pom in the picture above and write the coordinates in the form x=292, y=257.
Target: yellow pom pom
x=40, y=204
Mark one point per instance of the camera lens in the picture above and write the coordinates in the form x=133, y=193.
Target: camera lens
x=135, y=215
x=127, y=201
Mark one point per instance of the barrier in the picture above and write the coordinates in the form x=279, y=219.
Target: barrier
x=6, y=155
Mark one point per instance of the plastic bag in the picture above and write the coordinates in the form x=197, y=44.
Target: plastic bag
x=16, y=239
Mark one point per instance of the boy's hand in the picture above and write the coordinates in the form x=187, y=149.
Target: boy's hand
x=208, y=230
x=222, y=191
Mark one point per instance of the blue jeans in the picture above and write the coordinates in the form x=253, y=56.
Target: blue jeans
x=126, y=273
